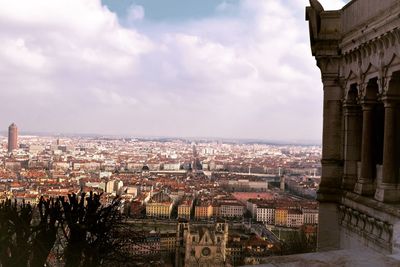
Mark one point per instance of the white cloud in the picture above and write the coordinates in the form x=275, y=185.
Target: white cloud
x=224, y=6
x=251, y=75
x=111, y=97
x=135, y=13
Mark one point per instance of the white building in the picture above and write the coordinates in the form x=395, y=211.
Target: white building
x=295, y=218
x=266, y=214
x=231, y=210
x=310, y=216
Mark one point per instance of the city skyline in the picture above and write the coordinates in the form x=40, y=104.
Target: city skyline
x=298, y=142
x=235, y=69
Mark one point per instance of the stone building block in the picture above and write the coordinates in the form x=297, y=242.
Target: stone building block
x=328, y=230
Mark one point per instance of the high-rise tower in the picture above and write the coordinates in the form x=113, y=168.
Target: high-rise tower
x=12, y=137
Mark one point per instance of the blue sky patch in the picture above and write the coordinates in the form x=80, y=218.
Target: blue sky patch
x=168, y=10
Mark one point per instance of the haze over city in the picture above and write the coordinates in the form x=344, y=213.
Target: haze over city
x=229, y=69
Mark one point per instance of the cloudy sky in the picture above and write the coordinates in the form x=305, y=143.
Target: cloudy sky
x=189, y=68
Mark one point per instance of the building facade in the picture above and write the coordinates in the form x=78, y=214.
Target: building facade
x=294, y=218
x=310, y=216
x=281, y=215
x=206, y=245
x=231, y=210
x=160, y=205
x=12, y=137
x=185, y=207
x=357, y=50
x=203, y=211
x=266, y=214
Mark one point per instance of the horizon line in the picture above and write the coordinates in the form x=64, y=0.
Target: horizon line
x=304, y=142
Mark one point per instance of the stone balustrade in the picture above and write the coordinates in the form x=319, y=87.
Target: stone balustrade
x=370, y=228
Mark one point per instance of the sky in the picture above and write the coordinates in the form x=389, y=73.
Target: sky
x=177, y=68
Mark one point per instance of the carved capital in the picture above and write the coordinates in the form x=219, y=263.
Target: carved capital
x=329, y=66
x=383, y=83
x=362, y=90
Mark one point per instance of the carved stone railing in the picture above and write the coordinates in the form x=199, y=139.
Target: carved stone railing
x=367, y=227
x=358, y=12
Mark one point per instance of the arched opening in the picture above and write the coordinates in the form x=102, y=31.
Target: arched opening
x=372, y=139
x=377, y=125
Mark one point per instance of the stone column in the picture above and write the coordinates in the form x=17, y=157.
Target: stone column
x=365, y=185
x=328, y=227
x=332, y=163
x=386, y=189
x=352, y=146
x=329, y=192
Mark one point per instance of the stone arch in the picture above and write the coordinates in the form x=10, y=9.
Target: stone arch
x=352, y=94
x=351, y=88
x=393, y=88
x=396, y=35
x=371, y=90
x=386, y=42
x=393, y=63
x=351, y=72
x=369, y=50
x=370, y=68
x=363, y=51
x=374, y=47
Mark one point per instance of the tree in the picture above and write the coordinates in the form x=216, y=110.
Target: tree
x=15, y=231
x=45, y=233
x=23, y=241
x=28, y=233
x=89, y=229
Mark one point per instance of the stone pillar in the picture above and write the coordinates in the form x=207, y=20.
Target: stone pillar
x=332, y=163
x=365, y=183
x=328, y=227
x=329, y=192
x=386, y=189
x=352, y=146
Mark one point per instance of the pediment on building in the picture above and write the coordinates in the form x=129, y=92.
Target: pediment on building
x=206, y=238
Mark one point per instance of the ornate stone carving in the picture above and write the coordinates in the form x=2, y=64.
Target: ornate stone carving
x=367, y=226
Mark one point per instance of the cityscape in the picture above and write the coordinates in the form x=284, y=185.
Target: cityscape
x=187, y=133
x=250, y=201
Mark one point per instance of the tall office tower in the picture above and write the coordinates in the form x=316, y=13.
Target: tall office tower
x=12, y=137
